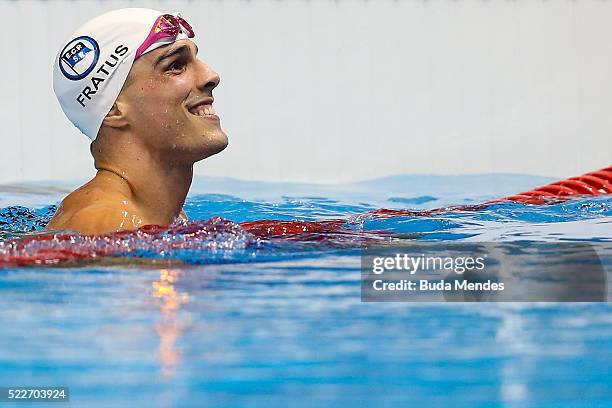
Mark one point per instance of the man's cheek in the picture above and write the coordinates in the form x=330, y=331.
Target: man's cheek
x=158, y=110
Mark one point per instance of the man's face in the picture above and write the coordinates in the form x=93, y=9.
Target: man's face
x=169, y=103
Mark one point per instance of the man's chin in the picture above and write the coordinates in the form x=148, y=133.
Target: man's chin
x=222, y=144
x=214, y=144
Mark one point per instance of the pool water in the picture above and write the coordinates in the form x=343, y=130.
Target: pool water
x=244, y=321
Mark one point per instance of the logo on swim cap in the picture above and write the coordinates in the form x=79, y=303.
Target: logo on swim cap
x=79, y=57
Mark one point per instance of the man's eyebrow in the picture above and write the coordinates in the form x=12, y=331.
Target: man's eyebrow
x=179, y=50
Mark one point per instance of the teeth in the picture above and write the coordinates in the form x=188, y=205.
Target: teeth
x=205, y=110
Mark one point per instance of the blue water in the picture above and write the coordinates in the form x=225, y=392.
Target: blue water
x=278, y=324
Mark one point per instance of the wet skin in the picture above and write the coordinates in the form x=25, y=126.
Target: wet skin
x=147, y=145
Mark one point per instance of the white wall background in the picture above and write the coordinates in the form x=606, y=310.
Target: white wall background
x=342, y=90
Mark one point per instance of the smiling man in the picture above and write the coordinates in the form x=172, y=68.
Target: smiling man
x=131, y=81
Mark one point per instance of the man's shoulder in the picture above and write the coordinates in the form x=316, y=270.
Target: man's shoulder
x=92, y=194
x=92, y=209
x=99, y=218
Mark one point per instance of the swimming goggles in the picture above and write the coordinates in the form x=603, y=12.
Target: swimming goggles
x=166, y=26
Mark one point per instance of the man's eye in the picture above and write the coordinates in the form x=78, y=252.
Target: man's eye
x=176, y=66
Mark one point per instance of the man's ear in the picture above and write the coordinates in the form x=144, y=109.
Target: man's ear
x=116, y=116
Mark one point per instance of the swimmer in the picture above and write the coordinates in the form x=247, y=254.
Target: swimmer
x=131, y=81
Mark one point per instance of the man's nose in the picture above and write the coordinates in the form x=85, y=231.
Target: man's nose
x=207, y=78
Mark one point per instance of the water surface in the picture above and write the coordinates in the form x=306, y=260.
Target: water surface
x=277, y=324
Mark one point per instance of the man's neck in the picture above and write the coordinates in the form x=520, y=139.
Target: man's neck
x=156, y=188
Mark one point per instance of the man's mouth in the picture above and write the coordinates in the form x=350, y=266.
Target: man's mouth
x=204, y=110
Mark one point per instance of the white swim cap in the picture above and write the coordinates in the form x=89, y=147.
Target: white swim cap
x=93, y=64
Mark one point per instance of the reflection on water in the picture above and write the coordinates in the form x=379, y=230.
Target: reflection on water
x=515, y=338
x=168, y=327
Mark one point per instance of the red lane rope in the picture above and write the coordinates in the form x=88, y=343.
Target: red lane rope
x=590, y=184
x=276, y=228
